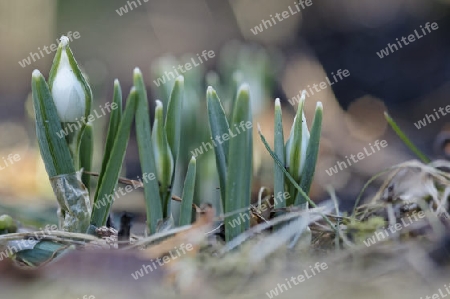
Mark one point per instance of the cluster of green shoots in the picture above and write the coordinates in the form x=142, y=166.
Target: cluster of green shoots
x=66, y=98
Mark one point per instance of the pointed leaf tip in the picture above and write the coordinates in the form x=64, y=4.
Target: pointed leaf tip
x=64, y=41
x=36, y=73
x=244, y=88
x=137, y=71
x=303, y=93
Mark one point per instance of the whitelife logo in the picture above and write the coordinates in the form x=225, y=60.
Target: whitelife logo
x=411, y=38
x=384, y=234
x=74, y=126
x=360, y=156
x=9, y=161
x=162, y=261
x=430, y=117
x=440, y=295
x=245, y=217
x=187, y=67
x=23, y=244
x=281, y=16
x=341, y=74
x=225, y=137
x=297, y=280
x=124, y=9
x=53, y=48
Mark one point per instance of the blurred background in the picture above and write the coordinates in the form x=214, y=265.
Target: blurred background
x=312, y=43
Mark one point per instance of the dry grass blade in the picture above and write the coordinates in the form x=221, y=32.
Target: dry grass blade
x=263, y=226
x=408, y=183
x=158, y=236
x=66, y=236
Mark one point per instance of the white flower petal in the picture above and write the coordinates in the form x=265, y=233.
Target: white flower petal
x=68, y=93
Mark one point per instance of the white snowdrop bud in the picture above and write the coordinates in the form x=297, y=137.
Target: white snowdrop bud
x=71, y=94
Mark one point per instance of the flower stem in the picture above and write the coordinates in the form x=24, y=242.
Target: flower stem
x=73, y=139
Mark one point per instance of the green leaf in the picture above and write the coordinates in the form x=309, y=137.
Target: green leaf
x=173, y=119
x=218, y=124
x=114, y=121
x=239, y=172
x=54, y=150
x=291, y=179
x=237, y=78
x=86, y=152
x=312, y=153
x=106, y=189
x=406, y=140
x=188, y=194
x=279, y=151
x=146, y=156
x=296, y=147
x=294, y=143
x=163, y=157
x=248, y=174
x=43, y=252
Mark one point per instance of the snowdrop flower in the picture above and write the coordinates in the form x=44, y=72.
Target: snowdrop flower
x=297, y=144
x=71, y=94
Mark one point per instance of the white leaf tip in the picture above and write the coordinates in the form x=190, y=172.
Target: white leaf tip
x=36, y=73
x=244, y=87
x=210, y=90
x=64, y=41
x=259, y=128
